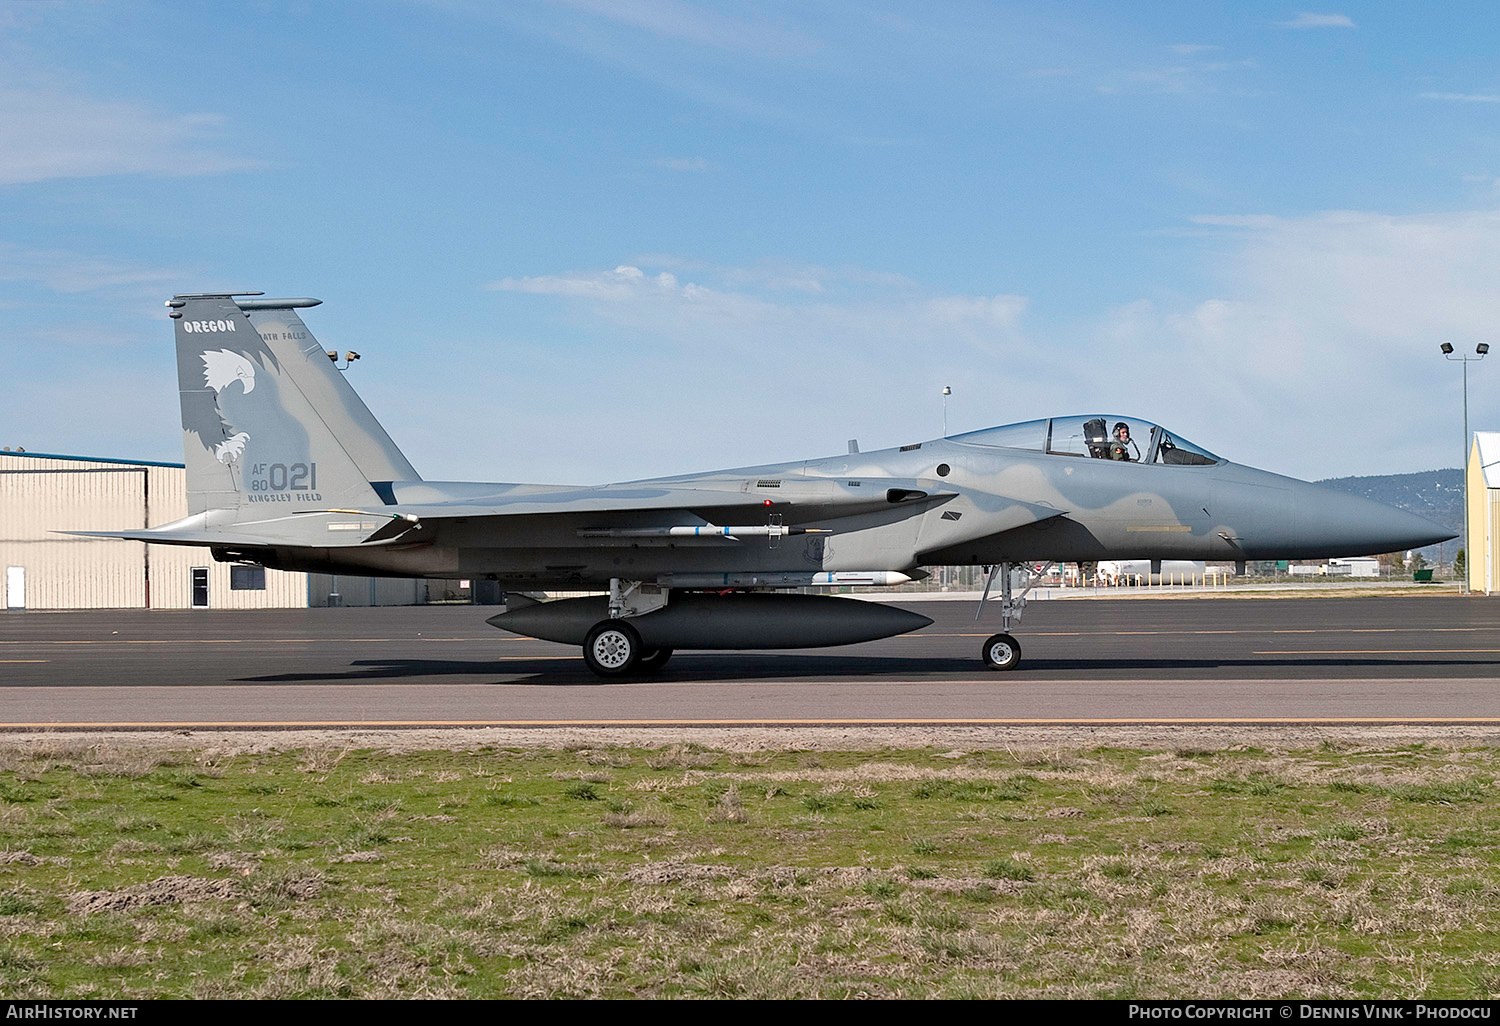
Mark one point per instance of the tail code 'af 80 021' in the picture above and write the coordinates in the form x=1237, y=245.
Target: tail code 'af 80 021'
x=287, y=467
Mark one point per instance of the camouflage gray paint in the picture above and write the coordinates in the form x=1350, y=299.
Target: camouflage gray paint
x=310, y=445
x=288, y=468
x=325, y=388
x=252, y=437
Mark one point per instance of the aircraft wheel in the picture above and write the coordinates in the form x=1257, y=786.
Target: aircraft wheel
x=655, y=659
x=612, y=648
x=1002, y=652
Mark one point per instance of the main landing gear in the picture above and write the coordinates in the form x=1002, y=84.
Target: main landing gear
x=1002, y=651
x=613, y=648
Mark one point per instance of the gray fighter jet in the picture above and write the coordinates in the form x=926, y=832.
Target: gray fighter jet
x=287, y=468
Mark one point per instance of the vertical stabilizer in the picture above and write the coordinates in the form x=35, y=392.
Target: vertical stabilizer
x=342, y=410
x=254, y=442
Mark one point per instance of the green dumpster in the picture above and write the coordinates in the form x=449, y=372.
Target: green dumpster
x=1421, y=575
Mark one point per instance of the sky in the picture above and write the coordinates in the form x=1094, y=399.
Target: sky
x=596, y=240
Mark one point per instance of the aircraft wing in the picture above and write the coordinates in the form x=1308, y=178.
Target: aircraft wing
x=641, y=508
x=796, y=501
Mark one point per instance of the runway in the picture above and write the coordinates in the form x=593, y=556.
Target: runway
x=1303, y=660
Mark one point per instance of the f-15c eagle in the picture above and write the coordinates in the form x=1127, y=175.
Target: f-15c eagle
x=292, y=471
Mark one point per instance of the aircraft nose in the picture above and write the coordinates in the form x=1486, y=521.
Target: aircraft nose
x=1267, y=516
x=1350, y=525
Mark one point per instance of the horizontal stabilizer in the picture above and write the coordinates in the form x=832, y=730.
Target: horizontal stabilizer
x=322, y=529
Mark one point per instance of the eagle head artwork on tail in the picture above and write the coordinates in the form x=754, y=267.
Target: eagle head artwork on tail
x=222, y=368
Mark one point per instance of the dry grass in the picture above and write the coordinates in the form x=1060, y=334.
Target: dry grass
x=1335, y=871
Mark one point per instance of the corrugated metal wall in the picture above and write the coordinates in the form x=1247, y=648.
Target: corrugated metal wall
x=43, y=494
x=343, y=590
x=1482, y=526
x=1491, y=551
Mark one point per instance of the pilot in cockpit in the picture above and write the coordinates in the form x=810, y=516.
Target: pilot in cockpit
x=1121, y=447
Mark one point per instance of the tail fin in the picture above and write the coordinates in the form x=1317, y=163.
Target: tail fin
x=266, y=418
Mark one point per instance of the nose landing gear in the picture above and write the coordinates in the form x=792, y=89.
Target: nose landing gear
x=1002, y=651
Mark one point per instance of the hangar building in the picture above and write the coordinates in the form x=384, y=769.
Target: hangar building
x=43, y=494
x=1482, y=560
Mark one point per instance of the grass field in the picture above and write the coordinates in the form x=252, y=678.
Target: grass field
x=1332, y=871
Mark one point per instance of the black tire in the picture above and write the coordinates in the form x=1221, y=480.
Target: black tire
x=1001, y=652
x=612, y=648
x=655, y=659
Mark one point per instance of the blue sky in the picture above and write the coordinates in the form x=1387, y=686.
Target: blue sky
x=594, y=240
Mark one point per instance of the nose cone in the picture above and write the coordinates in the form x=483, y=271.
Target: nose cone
x=1357, y=526
x=1333, y=523
x=1277, y=517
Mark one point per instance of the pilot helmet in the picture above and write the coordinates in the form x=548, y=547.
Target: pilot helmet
x=1120, y=424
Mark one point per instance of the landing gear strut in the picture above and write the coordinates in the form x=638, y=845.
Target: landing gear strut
x=1002, y=651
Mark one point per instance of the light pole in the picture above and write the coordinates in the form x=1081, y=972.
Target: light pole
x=946, y=393
x=1463, y=466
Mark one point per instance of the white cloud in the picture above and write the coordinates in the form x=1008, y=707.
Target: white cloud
x=1464, y=97
x=1313, y=352
x=68, y=272
x=624, y=283
x=1187, y=49
x=1320, y=353
x=689, y=70
x=1307, y=20
x=768, y=363
x=50, y=133
x=685, y=312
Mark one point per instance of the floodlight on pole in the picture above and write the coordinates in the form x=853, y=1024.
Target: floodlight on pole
x=1463, y=466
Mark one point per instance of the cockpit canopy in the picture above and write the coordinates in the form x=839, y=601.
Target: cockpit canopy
x=1100, y=436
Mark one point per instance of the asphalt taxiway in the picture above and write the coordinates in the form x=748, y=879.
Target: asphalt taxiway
x=1265, y=660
